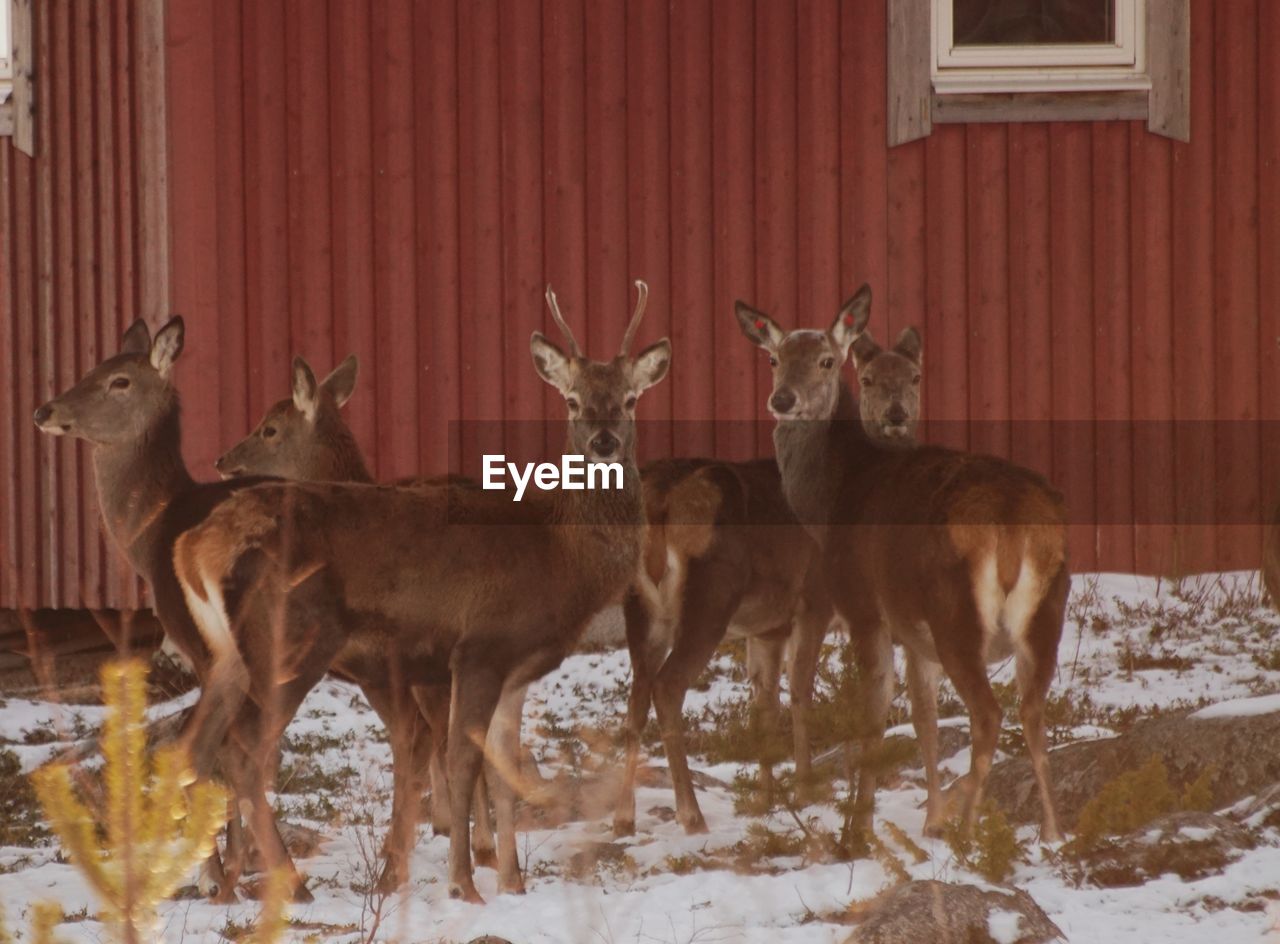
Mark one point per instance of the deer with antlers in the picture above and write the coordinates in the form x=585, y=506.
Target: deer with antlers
x=304, y=437
x=455, y=583
x=724, y=556
x=960, y=558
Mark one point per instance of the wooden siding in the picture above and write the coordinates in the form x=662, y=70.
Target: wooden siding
x=81, y=254
x=400, y=180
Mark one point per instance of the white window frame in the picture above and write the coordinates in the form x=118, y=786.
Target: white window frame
x=6, y=49
x=1057, y=67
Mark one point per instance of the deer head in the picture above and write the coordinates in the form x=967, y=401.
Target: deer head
x=889, y=381
x=295, y=434
x=123, y=397
x=806, y=362
x=601, y=395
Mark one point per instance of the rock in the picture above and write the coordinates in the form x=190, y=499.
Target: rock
x=1190, y=845
x=1240, y=749
x=1261, y=811
x=941, y=913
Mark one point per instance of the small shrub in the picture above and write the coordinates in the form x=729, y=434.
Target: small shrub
x=1135, y=798
x=993, y=847
x=20, y=821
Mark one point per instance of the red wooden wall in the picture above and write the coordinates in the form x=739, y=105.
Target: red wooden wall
x=400, y=179
x=82, y=252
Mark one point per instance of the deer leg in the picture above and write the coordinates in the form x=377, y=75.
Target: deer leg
x=645, y=658
x=809, y=630
x=765, y=655
x=873, y=648
x=922, y=686
x=483, y=842
x=503, y=746
x=405, y=725
x=476, y=690
x=960, y=650
x=433, y=702
x=709, y=601
x=1036, y=663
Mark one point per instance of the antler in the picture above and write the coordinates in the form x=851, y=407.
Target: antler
x=574, y=350
x=641, y=299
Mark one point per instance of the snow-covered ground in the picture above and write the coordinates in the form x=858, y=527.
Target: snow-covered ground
x=1132, y=647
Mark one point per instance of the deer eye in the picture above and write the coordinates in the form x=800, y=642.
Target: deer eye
x=866, y=381
x=827, y=363
x=573, y=403
x=631, y=403
x=268, y=432
x=773, y=361
x=915, y=381
x=119, y=383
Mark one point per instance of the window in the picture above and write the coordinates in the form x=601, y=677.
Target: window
x=6, y=51
x=1038, y=45
x=1038, y=60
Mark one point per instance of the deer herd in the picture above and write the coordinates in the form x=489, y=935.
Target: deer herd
x=443, y=601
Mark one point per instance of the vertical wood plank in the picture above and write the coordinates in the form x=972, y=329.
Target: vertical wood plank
x=1269, y=248
x=351, y=163
x=649, y=198
x=738, y=401
x=1071, y=281
x=910, y=88
x=946, y=381
x=1112, y=351
x=56, y=209
x=1194, y=341
x=436, y=149
x=986, y=185
x=693, y=312
x=1030, y=323
x=395, y=301
x=11, y=422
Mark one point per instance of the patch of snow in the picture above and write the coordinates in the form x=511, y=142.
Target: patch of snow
x=1240, y=708
x=1004, y=926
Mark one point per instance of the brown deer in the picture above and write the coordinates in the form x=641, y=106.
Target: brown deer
x=127, y=409
x=960, y=558
x=725, y=556
x=304, y=437
x=453, y=582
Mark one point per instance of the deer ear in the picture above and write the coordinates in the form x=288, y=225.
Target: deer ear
x=864, y=350
x=851, y=320
x=550, y=363
x=910, y=346
x=167, y=345
x=758, y=327
x=304, y=389
x=341, y=382
x=137, y=340
x=650, y=366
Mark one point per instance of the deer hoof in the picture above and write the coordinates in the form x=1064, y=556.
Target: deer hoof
x=467, y=893
x=696, y=826
x=301, y=894
x=512, y=888
x=624, y=827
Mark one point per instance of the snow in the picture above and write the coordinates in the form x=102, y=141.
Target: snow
x=1132, y=647
x=1004, y=926
x=1241, y=708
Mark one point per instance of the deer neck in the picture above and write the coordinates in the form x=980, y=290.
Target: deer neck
x=136, y=482
x=341, y=459
x=817, y=459
x=605, y=525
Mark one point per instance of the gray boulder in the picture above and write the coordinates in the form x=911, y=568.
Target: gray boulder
x=941, y=913
x=1189, y=845
x=1241, y=750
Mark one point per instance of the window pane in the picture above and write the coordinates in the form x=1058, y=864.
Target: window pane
x=1032, y=22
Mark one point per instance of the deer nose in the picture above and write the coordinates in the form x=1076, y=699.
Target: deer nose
x=219, y=462
x=44, y=414
x=897, y=415
x=604, y=443
x=782, y=401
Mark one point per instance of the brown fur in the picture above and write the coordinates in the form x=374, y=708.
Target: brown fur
x=452, y=580
x=909, y=537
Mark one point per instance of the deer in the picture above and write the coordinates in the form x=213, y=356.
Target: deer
x=724, y=556
x=960, y=558
x=128, y=411
x=457, y=583
x=303, y=437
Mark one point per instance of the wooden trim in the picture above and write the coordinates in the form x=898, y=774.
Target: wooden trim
x=1039, y=106
x=23, y=100
x=910, y=86
x=6, y=119
x=152, y=155
x=1169, y=65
